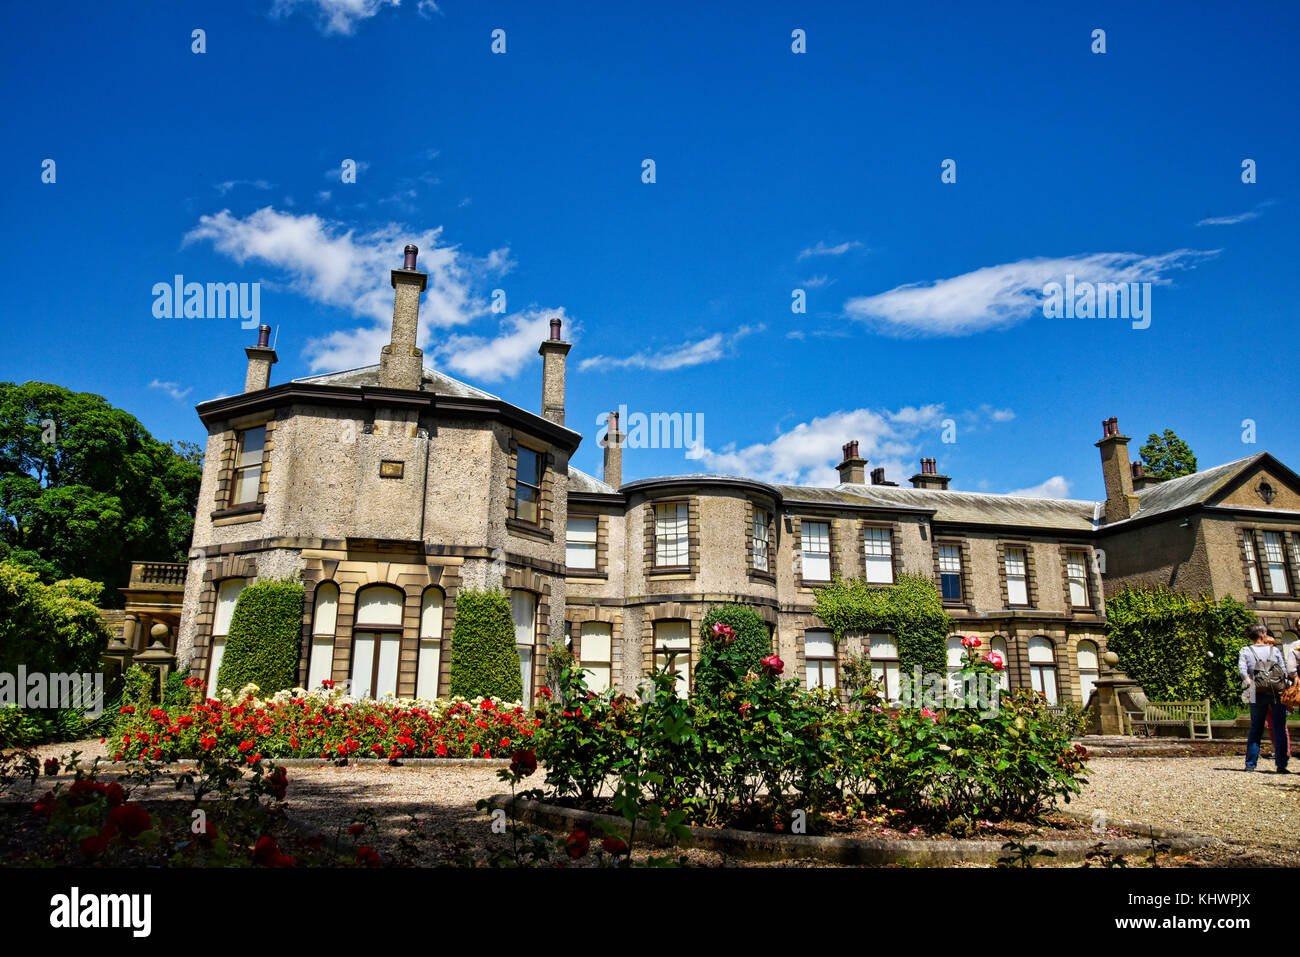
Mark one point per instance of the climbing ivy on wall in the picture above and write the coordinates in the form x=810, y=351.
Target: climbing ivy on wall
x=911, y=610
x=1177, y=647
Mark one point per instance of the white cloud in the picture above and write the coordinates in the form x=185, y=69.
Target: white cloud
x=808, y=453
x=1055, y=487
x=228, y=185
x=687, y=354
x=173, y=389
x=822, y=249
x=1238, y=217
x=998, y=296
x=337, y=16
x=489, y=360
x=816, y=282
x=340, y=267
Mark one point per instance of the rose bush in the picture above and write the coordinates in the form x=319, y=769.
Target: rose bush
x=321, y=724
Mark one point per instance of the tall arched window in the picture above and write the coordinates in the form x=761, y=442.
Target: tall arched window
x=523, y=609
x=956, y=658
x=819, y=659
x=376, y=638
x=673, y=645
x=324, y=618
x=430, y=659
x=1042, y=668
x=1089, y=668
x=227, y=594
x=884, y=664
x=999, y=645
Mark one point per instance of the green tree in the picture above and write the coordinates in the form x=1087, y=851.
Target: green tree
x=262, y=646
x=484, y=660
x=50, y=628
x=1167, y=456
x=85, y=489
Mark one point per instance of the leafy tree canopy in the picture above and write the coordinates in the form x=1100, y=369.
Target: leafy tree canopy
x=1167, y=456
x=85, y=489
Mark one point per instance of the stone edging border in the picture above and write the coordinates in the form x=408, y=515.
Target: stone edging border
x=871, y=852
x=327, y=762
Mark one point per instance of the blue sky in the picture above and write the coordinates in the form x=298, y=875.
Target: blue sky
x=775, y=171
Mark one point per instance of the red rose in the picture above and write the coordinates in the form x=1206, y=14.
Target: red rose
x=45, y=806
x=93, y=846
x=51, y=766
x=576, y=844
x=773, y=665
x=614, y=845
x=356, y=829
x=128, y=820
x=116, y=794
x=523, y=763
x=367, y=856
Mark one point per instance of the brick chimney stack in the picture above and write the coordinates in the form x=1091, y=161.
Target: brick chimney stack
x=1121, y=503
x=260, y=359
x=878, y=477
x=853, y=470
x=553, y=352
x=1142, y=478
x=613, y=443
x=929, y=476
x=401, y=364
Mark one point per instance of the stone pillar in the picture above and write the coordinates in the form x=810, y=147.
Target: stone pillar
x=613, y=442
x=401, y=364
x=157, y=656
x=553, y=352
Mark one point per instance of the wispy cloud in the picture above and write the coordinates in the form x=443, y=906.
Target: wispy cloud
x=337, y=266
x=1238, y=217
x=999, y=296
x=816, y=282
x=339, y=16
x=490, y=359
x=1058, y=486
x=822, y=249
x=807, y=453
x=173, y=389
x=681, y=356
x=228, y=185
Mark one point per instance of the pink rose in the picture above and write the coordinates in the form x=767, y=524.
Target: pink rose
x=773, y=664
x=995, y=660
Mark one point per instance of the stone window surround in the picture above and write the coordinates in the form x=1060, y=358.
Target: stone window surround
x=602, y=547
x=546, y=499
x=796, y=530
x=768, y=574
x=693, y=615
x=1031, y=577
x=896, y=559
x=966, y=601
x=578, y=615
x=1256, y=534
x=403, y=576
x=692, y=536
x=222, y=508
x=1088, y=584
x=228, y=567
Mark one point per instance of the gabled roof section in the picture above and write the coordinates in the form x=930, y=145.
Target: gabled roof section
x=1195, y=489
x=433, y=381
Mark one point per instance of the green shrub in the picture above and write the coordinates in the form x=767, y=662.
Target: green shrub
x=484, y=660
x=911, y=609
x=723, y=662
x=1177, y=647
x=50, y=628
x=262, y=646
x=176, y=693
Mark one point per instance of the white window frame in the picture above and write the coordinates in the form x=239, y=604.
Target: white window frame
x=884, y=665
x=377, y=626
x=948, y=565
x=1088, y=654
x=596, y=647
x=324, y=622
x=762, y=540
x=523, y=612
x=1017, y=581
x=672, y=531
x=580, y=539
x=816, y=548
x=246, y=479
x=1251, y=564
x=878, y=552
x=674, y=637
x=1076, y=573
x=818, y=650
x=1042, y=668
x=224, y=610
x=1275, y=561
x=429, y=658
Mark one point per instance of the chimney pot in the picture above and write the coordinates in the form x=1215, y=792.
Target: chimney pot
x=555, y=329
x=263, y=336
x=613, y=418
x=408, y=261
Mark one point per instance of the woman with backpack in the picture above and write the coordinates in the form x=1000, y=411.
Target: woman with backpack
x=1264, y=672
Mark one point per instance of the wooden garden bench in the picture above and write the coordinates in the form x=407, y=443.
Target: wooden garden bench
x=1192, y=715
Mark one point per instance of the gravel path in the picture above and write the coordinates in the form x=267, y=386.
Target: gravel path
x=1256, y=815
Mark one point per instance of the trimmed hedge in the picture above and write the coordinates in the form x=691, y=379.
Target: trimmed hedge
x=484, y=660
x=262, y=646
x=722, y=664
x=1177, y=647
x=911, y=609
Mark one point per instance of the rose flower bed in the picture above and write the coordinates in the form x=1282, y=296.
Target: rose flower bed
x=321, y=724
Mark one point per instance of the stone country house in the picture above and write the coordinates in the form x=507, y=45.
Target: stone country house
x=387, y=489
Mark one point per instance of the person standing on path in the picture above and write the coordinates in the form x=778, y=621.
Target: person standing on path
x=1264, y=673
x=1268, y=715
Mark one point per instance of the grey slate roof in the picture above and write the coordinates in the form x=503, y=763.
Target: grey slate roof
x=953, y=506
x=1191, y=489
x=434, y=381
x=580, y=481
